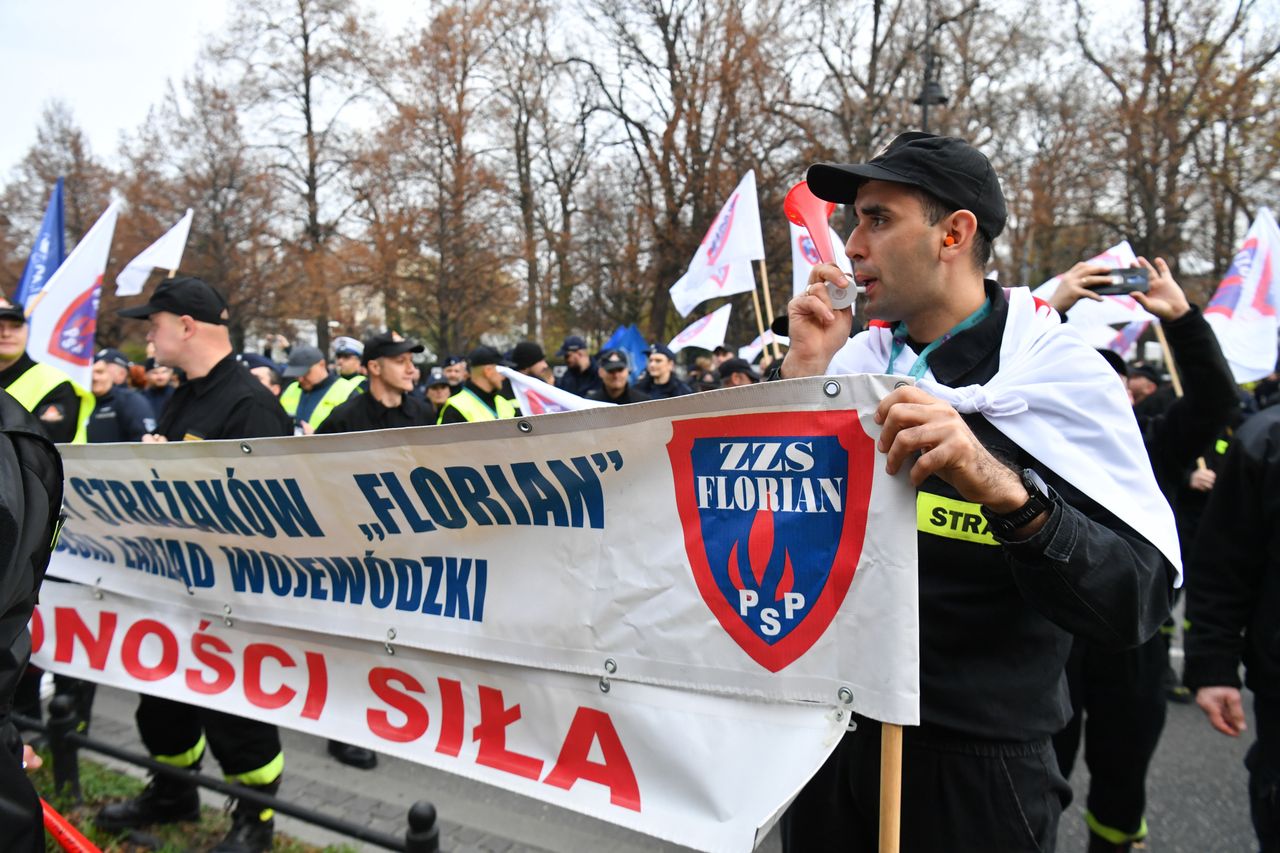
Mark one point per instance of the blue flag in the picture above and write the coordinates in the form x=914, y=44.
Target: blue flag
x=47, y=254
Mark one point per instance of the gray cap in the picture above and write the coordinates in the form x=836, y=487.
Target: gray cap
x=301, y=360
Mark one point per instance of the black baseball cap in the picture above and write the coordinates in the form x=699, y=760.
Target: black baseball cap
x=1117, y=363
x=483, y=355
x=738, y=365
x=1140, y=368
x=949, y=168
x=11, y=311
x=257, y=359
x=614, y=359
x=111, y=355
x=573, y=343
x=183, y=295
x=526, y=354
x=388, y=344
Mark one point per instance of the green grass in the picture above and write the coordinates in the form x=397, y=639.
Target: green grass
x=100, y=785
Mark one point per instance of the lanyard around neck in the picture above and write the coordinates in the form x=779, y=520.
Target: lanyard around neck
x=922, y=361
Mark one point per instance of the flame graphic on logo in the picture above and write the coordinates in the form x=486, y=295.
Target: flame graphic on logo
x=760, y=547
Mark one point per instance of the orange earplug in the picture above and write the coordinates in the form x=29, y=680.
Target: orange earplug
x=948, y=240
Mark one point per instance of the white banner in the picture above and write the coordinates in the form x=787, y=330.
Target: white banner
x=1112, y=309
x=705, y=771
x=744, y=544
x=165, y=253
x=1242, y=311
x=706, y=332
x=64, y=316
x=804, y=256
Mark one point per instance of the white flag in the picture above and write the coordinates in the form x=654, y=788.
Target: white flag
x=536, y=397
x=64, y=317
x=165, y=254
x=1242, y=311
x=734, y=236
x=707, y=333
x=804, y=256
x=751, y=350
x=1112, y=309
x=691, y=291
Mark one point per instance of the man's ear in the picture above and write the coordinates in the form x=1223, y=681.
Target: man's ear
x=961, y=227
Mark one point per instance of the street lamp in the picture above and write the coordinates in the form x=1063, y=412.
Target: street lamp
x=931, y=94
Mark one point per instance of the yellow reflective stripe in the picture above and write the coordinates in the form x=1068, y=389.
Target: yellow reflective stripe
x=472, y=407
x=1111, y=835
x=264, y=775
x=952, y=519
x=337, y=394
x=184, y=759
x=505, y=406
x=1221, y=445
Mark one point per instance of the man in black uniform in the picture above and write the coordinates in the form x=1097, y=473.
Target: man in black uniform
x=615, y=378
x=1233, y=607
x=219, y=400
x=120, y=413
x=659, y=381
x=580, y=376
x=997, y=608
x=388, y=361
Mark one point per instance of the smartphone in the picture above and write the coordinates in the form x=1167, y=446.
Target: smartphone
x=1124, y=281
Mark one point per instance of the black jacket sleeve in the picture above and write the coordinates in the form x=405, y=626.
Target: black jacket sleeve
x=136, y=418
x=1189, y=425
x=258, y=417
x=1233, y=584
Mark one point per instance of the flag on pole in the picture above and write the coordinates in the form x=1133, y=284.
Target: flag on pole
x=1242, y=311
x=64, y=316
x=734, y=236
x=165, y=254
x=47, y=253
x=804, y=256
x=706, y=333
x=1111, y=310
x=751, y=350
x=536, y=397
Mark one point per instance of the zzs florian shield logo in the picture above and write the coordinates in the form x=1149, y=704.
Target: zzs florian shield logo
x=774, y=511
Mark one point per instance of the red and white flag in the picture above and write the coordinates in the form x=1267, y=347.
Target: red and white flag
x=165, y=254
x=1242, y=311
x=64, y=317
x=751, y=350
x=734, y=237
x=804, y=256
x=707, y=332
x=536, y=397
x=1111, y=310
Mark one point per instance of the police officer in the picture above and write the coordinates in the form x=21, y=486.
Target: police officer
x=59, y=404
x=615, y=379
x=457, y=372
x=219, y=400
x=737, y=371
x=119, y=412
x=159, y=386
x=388, y=358
x=317, y=391
x=659, y=380
x=347, y=358
x=438, y=391
x=581, y=376
x=481, y=397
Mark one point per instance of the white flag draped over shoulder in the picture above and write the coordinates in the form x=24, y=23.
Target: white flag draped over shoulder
x=536, y=397
x=1242, y=311
x=165, y=254
x=1112, y=309
x=804, y=256
x=64, y=317
x=707, y=332
x=694, y=289
x=734, y=237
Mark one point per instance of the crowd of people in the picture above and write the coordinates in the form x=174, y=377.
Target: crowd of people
x=1047, y=627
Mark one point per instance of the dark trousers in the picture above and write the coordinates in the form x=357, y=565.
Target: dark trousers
x=959, y=794
x=242, y=747
x=1118, y=703
x=1263, y=762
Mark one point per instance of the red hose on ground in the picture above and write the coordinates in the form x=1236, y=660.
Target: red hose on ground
x=61, y=830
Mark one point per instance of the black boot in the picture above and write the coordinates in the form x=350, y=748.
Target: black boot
x=250, y=831
x=352, y=755
x=164, y=800
x=1098, y=844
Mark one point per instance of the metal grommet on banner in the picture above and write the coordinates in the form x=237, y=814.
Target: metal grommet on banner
x=831, y=388
x=226, y=618
x=97, y=589
x=845, y=695
x=525, y=426
x=391, y=635
x=611, y=667
x=245, y=448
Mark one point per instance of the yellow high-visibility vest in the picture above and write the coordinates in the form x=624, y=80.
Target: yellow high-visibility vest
x=475, y=409
x=38, y=381
x=337, y=394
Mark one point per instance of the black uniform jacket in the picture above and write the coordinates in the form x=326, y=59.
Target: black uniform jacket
x=1233, y=580
x=228, y=402
x=61, y=399
x=997, y=618
x=121, y=414
x=673, y=387
x=365, y=413
x=581, y=383
x=630, y=395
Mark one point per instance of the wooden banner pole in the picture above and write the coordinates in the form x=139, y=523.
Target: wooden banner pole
x=890, y=787
x=768, y=306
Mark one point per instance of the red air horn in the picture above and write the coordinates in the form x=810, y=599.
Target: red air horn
x=802, y=207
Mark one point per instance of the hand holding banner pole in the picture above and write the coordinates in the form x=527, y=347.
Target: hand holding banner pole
x=802, y=207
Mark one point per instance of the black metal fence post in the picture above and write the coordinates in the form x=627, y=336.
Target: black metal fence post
x=66, y=761
x=423, y=835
